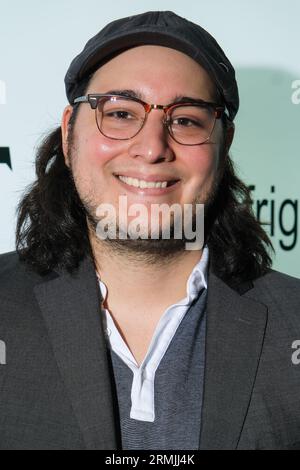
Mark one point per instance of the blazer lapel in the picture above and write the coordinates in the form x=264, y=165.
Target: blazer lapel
x=70, y=305
x=235, y=333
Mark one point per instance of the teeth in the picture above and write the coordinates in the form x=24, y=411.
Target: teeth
x=143, y=184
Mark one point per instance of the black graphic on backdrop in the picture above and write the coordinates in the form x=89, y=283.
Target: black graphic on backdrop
x=280, y=217
x=5, y=156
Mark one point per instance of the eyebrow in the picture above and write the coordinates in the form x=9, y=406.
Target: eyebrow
x=136, y=94
x=127, y=93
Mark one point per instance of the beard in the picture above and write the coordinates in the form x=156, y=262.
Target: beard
x=149, y=250
x=159, y=249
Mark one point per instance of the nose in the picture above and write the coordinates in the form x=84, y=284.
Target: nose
x=152, y=143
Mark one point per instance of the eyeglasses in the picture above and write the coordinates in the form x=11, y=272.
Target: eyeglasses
x=122, y=117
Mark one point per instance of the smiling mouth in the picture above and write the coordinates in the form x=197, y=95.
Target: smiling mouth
x=142, y=184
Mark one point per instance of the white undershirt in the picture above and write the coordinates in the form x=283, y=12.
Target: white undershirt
x=142, y=390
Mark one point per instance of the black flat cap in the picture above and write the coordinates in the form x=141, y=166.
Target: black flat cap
x=163, y=28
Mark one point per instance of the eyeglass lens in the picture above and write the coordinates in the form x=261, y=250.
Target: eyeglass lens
x=121, y=118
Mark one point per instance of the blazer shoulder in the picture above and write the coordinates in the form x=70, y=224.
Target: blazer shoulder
x=278, y=281
x=278, y=291
x=16, y=278
x=8, y=260
x=10, y=266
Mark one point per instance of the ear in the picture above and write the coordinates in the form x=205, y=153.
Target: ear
x=229, y=135
x=65, y=132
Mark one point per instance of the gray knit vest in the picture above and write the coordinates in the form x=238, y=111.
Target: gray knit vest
x=178, y=390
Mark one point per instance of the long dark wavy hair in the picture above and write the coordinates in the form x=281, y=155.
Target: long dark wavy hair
x=52, y=230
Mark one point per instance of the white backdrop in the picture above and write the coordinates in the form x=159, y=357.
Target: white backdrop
x=262, y=39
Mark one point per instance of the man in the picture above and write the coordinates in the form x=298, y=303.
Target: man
x=129, y=340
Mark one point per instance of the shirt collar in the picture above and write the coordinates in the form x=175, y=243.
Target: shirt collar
x=195, y=283
x=200, y=271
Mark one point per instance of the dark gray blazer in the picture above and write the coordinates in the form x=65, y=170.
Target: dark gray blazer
x=56, y=391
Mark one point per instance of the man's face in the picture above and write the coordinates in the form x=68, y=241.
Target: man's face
x=158, y=75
